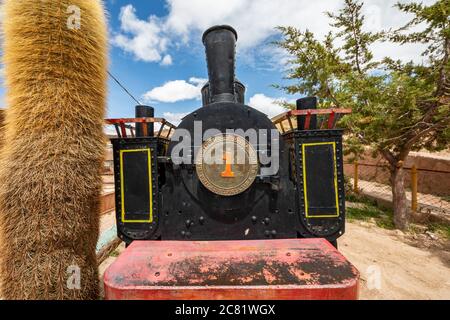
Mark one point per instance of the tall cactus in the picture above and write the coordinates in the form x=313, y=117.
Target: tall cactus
x=55, y=57
x=2, y=120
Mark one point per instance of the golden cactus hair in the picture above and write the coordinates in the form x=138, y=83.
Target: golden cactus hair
x=55, y=79
x=2, y=120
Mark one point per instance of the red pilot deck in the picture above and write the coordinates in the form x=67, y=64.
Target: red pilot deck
x=255, y=270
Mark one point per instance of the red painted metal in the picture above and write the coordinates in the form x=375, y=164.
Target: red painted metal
x=332, y=113
x=293, y=269
x=122, y=122
x=123, y=129
x=308, y=121
x=331, y=120
x=317, y=112
x=134, y=120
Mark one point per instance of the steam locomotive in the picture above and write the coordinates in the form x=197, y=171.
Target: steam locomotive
x=226, y=172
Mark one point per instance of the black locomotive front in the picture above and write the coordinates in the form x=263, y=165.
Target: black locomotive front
x=227, y=173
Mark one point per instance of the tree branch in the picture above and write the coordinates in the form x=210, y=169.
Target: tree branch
x=419, y=135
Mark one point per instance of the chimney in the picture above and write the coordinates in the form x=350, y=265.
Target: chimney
x=220, y=44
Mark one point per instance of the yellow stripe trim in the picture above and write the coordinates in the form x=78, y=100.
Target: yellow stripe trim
x=335, y=179
x=150, y=220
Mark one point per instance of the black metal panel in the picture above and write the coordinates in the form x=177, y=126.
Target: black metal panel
x=137, y=179
x=136, y=184
x=320, y=179
x=319, y=174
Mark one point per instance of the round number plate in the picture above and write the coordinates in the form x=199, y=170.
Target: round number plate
x=227, y=164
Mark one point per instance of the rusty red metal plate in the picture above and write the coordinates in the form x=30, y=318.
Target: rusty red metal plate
x=292, y=269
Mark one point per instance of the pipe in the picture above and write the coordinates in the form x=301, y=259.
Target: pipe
x=239, y=92
x=145, y=112
x=220, y=45
x=239, y=89
x=305, y=104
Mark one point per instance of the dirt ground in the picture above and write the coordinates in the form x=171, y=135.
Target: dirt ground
x=393, y=266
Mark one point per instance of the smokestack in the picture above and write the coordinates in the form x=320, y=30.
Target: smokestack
x=220, y=44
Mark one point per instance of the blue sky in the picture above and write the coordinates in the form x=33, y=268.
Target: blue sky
x=156, y=49
x=188, y=61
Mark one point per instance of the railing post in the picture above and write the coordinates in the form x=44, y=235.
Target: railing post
x=414, y=188
x=355, y=178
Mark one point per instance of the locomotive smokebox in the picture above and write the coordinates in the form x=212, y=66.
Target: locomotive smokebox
x=220, y=44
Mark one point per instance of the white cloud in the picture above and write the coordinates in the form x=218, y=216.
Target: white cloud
x=254, y=21
x=144, y=39
x=174, y=118
x=267, y=105
x=177, y=90
x=167, y=60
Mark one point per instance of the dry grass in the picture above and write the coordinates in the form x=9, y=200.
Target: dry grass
x=50, y=181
